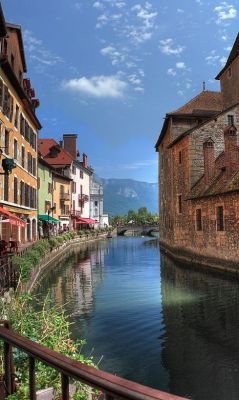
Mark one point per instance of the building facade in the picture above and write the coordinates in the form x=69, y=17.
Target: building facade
x=97, y=204
x=18, y=138
x=198, y=175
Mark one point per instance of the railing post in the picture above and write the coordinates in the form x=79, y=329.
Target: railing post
x=8, y=364
x=32, y=379
x=65, y=387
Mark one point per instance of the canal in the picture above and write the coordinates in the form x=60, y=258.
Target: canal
x=149, y=319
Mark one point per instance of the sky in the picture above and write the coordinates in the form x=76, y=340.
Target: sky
x=109, y=70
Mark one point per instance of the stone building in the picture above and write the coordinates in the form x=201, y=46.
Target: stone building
x=199, y=174
x=19, y=127
x=97, y=204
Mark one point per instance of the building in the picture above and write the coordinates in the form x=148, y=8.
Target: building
x=80, y=173
x=63, y=157
x=59, y=161
x=199, y=174
x=19, y=127
x=97, y=204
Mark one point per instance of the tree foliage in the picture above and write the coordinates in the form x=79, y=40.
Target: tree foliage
x=140, y=217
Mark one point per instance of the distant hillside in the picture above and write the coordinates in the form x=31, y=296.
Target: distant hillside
x=121, y=195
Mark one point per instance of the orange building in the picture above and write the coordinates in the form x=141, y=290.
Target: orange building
x=61, y=199
x=18, y=139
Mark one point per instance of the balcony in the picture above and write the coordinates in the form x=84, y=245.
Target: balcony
x=83, y=198
x=76, y=213
x=65, y=196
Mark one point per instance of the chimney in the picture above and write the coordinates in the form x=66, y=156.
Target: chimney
x=69, y=144
x=85, y=160
x=209, y=160
x=231, y=150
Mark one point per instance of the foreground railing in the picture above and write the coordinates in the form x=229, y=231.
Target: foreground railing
x=112, y=386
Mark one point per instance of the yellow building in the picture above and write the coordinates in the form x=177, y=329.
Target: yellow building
x=62, y=199
x=18, y=139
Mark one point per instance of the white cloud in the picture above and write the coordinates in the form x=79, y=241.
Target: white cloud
x=167, y=47
x=98, y=4
x=38, y=52
x=180, y=92
x=116, y=56
x=214, y=58
x=180, y=10
x=120, y=4
x=97, y=86
x=180, y=65
x=225, y=12
x=171, y=72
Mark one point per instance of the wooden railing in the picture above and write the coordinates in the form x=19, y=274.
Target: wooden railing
x=110, y=385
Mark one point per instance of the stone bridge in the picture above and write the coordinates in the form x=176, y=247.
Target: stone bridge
x=137, y=229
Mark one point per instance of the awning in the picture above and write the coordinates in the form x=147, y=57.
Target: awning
x=12, y=218
x=86, y=221
x=48, y=218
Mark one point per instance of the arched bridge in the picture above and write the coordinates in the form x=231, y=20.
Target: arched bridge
x=137, y=229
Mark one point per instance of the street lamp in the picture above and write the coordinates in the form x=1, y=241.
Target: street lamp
x=48, y=212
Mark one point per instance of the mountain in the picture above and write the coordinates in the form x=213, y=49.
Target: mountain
x=121, y=195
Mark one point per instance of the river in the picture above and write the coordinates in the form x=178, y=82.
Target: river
x=150, y=319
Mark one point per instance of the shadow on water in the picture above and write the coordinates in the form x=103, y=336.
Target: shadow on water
x=171, y=328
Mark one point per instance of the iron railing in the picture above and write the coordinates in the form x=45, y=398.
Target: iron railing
x=110, y=385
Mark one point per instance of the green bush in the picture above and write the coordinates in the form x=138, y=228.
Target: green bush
x=33, y=256
x=48, y=326
x=53, y=243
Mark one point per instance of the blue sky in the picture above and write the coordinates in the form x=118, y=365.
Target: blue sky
x=109, y=70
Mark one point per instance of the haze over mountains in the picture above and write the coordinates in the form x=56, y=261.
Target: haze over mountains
x=121, y=195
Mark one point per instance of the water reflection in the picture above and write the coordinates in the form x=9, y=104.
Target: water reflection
x=201, y=349
x=171, y=328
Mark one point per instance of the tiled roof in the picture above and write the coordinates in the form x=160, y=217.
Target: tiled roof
x=61, y=158
x=205, y=101
x=233, y=54
x=206, y=104
x=219, y=185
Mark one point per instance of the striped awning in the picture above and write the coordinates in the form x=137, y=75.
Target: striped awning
x=12, y=218
x=86, y=221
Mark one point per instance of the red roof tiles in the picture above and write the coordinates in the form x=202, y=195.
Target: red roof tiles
x=56, y=158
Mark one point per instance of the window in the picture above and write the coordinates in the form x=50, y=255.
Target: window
x=22, y=193
x=6, y=187
x=180, y=157
x=220, y=219
x=81, y=175
x=23, y=157
x=6, y=141
x=47, y=206
x=34, y=168
x=180, y=204
x=15, y=149
x=62, y=189
x=96, y=203
x=73, y=187
x=29, y=162
x=229, y=72
x=230, y=119
x=15, y=185
x=73, y=169
x=22, y=125
x=49, y=187
x=16, y=121
x=198, y=219
x=27, y=196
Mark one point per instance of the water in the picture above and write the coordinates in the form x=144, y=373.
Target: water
x=153, y=321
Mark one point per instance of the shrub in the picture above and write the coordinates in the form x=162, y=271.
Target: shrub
x=33, y=256
x=48, y=326
x=53, y=243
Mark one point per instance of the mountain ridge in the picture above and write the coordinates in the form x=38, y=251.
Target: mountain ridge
x=121, y=195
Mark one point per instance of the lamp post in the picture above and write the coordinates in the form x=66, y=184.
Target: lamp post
x=48, y=212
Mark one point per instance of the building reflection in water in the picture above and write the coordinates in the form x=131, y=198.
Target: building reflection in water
x=201, y=342
x=73, y=282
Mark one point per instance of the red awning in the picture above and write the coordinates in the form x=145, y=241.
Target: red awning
x=13, y=219
x=86, y=221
